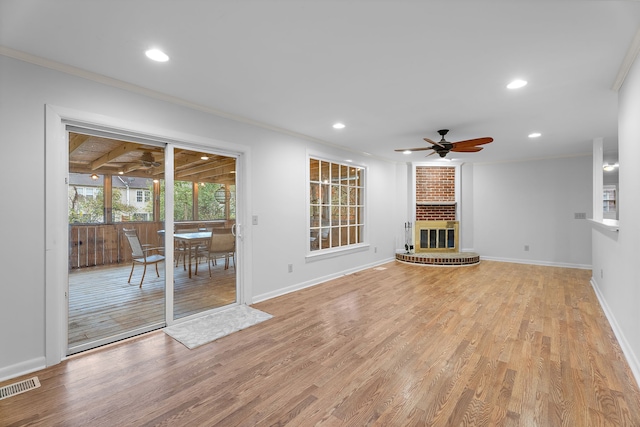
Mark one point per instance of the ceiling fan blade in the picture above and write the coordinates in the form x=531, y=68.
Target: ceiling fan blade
x=414, y=149
x=430, y=154
x=472, y=142
x=466, y=149
x=431, y=141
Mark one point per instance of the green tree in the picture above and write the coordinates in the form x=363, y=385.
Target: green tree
x=86, y=209
x=208, y=207
x=182, y=200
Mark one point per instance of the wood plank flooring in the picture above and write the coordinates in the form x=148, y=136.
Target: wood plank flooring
x=494, y=344
x=102, y=304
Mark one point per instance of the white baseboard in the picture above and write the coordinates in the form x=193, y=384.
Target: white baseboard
x=22, y=368
x=632, y=360
x=537, y=262
x=316, y=281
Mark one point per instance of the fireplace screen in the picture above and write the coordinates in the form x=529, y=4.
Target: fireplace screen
x=442, y=238
x=436, y=236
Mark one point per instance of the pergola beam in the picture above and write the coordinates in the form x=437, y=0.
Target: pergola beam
x=121, y=150
x=75, y=141
x=208, y=169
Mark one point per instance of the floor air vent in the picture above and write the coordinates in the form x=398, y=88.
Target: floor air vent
x=17, y=388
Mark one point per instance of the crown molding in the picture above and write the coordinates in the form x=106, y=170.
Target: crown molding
x=109, y=81
x=627, y=62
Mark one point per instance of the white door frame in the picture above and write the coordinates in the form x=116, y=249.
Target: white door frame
x=56, y=221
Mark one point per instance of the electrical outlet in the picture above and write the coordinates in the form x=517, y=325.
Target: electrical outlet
x=526, y=248
x=254, y=220
x=290, y=268
x=375, y=250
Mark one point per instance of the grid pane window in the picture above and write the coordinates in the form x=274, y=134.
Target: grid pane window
x=336, y=197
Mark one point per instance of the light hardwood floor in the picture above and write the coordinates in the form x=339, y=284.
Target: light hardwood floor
x=495, y=344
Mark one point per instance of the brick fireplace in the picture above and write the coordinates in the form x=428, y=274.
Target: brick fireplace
x=436, y=209
x=437, y=212
x=435, y=238
x=435, y=193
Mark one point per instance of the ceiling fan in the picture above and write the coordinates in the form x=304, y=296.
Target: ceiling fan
x=443, y=146
x=147, y=160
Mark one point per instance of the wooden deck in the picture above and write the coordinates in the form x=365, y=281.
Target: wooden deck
x=102, y=304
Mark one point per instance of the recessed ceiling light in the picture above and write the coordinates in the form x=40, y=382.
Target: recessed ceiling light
x=406, y=152
x=338, y=126
x=517, y=84
x=349, y=160
x=535, y=135
x=157, y=55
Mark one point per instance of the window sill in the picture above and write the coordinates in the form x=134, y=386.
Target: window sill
x=332, y=253
x=606, y=224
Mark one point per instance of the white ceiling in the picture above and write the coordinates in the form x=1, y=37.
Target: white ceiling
x=393, y=71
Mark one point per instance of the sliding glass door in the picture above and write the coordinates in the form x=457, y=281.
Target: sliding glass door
x=118, y=198
x=116, y=283
x=204, y=217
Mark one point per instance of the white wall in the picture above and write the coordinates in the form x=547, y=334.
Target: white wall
x=616, y=255
x=533, y=203
x=466, y=208
x=277, y=186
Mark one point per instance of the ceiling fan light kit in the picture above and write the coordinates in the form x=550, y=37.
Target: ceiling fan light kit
x=443, y=147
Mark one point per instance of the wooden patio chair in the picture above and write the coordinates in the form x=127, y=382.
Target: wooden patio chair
x=140, y=254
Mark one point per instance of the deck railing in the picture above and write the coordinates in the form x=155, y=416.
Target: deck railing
x=103, y=244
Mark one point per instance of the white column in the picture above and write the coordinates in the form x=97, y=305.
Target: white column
x=597, y=179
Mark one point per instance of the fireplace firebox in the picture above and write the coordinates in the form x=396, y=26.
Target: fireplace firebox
x=436, y=236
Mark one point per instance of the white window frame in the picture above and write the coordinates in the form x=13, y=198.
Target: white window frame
x=145, y=195
x=313, y=255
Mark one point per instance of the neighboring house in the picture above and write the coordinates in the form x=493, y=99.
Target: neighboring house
x=133, y=196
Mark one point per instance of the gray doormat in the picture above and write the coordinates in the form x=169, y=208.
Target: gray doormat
x=196, y=332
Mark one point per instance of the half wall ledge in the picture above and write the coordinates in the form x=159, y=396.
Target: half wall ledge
x=444, y=259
